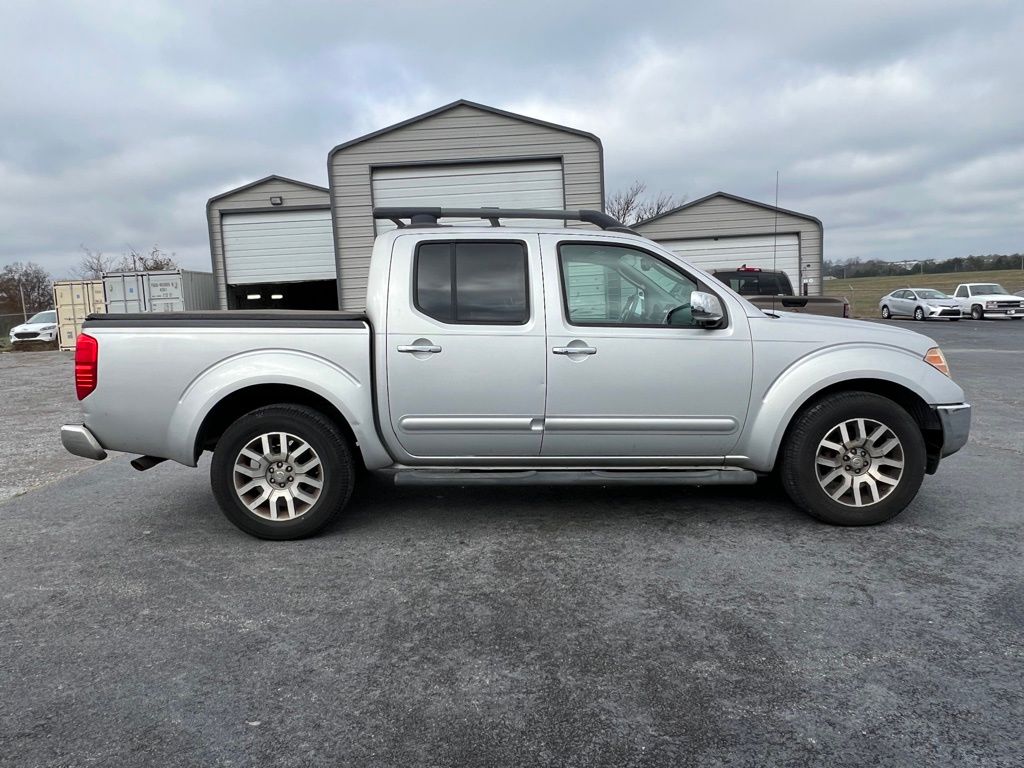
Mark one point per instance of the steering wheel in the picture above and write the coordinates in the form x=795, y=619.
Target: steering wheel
x=668, y=315
x=630, y=308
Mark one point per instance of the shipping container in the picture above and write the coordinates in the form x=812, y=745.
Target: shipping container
x=75, y=300
x=178, y=290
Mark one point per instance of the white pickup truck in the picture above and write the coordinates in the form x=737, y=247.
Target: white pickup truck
x=981, y=300
x=522, y=355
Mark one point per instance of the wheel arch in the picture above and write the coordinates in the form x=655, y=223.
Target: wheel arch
x=895, y=373
x=242, y=401
x=237, y=385
x=906, y=398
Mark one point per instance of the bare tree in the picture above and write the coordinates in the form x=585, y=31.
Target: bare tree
x=93, y=264
x=25, y=281
x=154, y=261
x=633, y=205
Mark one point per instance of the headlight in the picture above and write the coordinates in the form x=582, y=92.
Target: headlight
x=937, y=360
x=48, y=328
x=990, y=305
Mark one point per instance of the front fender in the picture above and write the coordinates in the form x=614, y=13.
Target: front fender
x=804, y=378
x=348, y=391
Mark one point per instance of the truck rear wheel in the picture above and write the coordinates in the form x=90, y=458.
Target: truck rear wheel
x=282, y=472
x=853, y=458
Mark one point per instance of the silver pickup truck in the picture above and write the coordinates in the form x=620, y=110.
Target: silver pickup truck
x=520, y=355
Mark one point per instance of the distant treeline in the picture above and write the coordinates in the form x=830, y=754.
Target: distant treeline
x=878, y=268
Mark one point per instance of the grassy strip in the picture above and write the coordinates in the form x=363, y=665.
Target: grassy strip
x=865, y=292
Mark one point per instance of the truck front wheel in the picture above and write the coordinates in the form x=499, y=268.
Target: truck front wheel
x=282, y=472
x=977, y=313
x=853, y=458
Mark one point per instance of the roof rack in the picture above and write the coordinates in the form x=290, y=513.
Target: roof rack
x=428, y=217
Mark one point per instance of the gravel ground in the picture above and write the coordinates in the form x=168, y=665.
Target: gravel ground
x=37, y=395
x=555, y=626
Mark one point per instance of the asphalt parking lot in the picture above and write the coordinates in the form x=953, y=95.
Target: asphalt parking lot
x=519, y=627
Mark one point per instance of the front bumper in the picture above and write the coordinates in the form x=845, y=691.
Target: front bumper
x=956, y=426
x=77, y=439
x=944, y=312
x=25, y=336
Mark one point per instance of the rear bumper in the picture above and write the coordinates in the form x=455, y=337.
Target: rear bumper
x=956, y=426
x=77, y=439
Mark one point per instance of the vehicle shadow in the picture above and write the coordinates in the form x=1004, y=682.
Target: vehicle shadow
x=377, y=502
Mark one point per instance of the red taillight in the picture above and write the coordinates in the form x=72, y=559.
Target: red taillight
x=87, y=353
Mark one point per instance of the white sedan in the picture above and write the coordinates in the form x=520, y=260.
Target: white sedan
x=42, y=326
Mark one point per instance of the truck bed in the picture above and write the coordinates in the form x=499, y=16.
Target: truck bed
x=160, y=372
x=230, y=317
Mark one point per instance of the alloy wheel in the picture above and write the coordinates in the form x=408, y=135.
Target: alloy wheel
x=859, y=462
x=278, y=476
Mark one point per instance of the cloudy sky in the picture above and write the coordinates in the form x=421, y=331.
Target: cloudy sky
x=900, y=123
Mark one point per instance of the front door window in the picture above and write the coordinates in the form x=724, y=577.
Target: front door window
x=613, y=285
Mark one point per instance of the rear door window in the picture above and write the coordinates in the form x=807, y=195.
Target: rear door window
x=464, y=282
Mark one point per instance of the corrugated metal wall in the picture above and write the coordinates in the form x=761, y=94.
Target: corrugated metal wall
x=462, y=132
x=178, y=290
x=75, y=300
x=722, y=215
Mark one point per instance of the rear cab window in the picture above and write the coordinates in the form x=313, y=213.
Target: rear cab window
x=756, y=283
x=472, y=282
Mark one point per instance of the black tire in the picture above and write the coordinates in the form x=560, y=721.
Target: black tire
x=886, y=314
x=918, y=314
x=977, y=313
x=798, y=457
x=322, y=435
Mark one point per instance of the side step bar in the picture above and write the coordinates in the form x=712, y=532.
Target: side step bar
x=575, y=477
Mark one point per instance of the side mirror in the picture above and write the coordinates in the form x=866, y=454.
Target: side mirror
x=706, y=309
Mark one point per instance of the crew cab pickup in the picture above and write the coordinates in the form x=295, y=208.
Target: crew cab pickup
x=772, y=290
x=520, y=355
x=981, y=300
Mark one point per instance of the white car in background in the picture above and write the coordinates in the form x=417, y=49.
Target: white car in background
x=42, y=326
x=919, y=303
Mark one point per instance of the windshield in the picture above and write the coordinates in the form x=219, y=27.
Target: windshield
x=44, y=317
x=981, y=288
x=928, y=293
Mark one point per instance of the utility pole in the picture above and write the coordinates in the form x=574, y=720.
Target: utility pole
x=24, y=313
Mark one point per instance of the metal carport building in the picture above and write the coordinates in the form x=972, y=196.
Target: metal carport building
x=728, y=231
x=271, y=246
x=462, y=154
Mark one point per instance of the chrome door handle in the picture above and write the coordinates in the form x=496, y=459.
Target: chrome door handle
x=574, y=350
x=430, y=348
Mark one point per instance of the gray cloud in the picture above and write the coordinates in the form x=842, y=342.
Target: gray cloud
x=898, y=124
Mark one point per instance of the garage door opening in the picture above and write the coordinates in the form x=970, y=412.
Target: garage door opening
x=312, y=294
